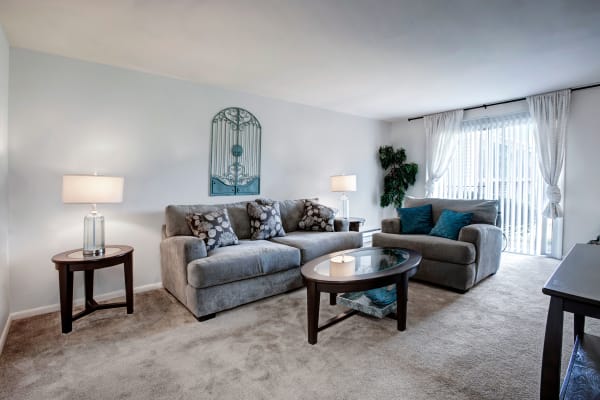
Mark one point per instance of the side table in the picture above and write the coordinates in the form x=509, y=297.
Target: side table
x=73, y=260
x=574, y=288
x=355, y=223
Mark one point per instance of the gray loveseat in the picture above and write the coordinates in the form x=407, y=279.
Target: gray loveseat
x=226, y=277
x=458, y=264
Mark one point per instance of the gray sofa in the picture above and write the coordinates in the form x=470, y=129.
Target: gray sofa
x=457, y=264
x=226, y=277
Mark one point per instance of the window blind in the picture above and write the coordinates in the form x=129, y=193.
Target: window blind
x=496, y=159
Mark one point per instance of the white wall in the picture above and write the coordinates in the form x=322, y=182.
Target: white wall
x=582, y=180
x=582, y=184
x=4, y=269
x=69, y=116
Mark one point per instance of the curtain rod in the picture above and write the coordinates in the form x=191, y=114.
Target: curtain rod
x=510, y=101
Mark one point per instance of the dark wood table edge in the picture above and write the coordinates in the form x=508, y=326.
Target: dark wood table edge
x=571, y=296
x=314, y=287
x=561, y=302
x=66, y=266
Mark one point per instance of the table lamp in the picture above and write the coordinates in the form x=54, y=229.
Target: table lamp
x=344, y=183
x=92, y=189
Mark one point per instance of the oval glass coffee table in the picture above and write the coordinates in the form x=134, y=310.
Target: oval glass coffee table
x=357, y=270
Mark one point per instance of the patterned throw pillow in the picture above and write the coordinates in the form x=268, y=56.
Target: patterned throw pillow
x=450, y=223
x=265, y=220
x=213, y=227
x=317, y=217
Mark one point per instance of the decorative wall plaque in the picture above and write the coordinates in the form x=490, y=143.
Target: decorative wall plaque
x=235, y=153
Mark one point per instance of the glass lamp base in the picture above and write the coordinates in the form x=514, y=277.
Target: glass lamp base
x=95, y=252
x=345, y=206
x=93, y=234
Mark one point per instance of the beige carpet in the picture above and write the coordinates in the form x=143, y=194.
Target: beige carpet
x=485, y=344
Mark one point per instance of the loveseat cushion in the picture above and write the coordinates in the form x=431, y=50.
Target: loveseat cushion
x=430, y=247
x=249, y=259
x=316, y=244
x=484, y=211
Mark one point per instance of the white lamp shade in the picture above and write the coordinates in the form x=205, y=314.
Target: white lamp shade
x=343, y=183
x=92, y=189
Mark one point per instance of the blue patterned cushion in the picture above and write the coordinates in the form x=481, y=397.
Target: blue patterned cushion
x=213, y=227
x=416, y=219
x=317, y=217
x=450, y=223
x=265, y=219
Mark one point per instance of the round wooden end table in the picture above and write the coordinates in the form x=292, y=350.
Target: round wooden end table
x=73, y=260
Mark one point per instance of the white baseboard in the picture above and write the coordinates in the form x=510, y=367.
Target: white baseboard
x=79, y=302
x=5, y=333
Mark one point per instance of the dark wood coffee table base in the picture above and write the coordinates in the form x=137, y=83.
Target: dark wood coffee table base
x=313, y=297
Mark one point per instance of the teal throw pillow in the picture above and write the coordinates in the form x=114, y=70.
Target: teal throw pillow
x=450, y=223
x=416, y=219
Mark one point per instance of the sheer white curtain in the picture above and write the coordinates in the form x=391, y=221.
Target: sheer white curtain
x=496, y=159
x=550, y=112
x=441, y=136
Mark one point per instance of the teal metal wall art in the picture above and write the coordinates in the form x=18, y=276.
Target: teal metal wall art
x=235, y=153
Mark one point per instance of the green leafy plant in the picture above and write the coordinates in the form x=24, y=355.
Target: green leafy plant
x=399, y=175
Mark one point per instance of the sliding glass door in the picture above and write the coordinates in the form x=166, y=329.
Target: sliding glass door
x=496, y=159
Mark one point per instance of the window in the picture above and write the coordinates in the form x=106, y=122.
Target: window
x=496, y=159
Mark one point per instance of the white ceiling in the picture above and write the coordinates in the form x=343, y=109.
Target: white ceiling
x=378, y=58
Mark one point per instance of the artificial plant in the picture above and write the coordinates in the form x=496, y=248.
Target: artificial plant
x=399, y=175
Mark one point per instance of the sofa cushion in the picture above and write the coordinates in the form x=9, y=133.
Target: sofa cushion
x=484, y=211
x=249, y=259
x=265, y=220
x=176, y=224
x=430, y=247
x=317, y=217
x=416, y=219
x=316, y=244
x=450, y=223
x=213, y=227
x=292, y=212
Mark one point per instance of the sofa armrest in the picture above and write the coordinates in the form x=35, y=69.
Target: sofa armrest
x=488, y=244
x=391, y=225
x=176, y=252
